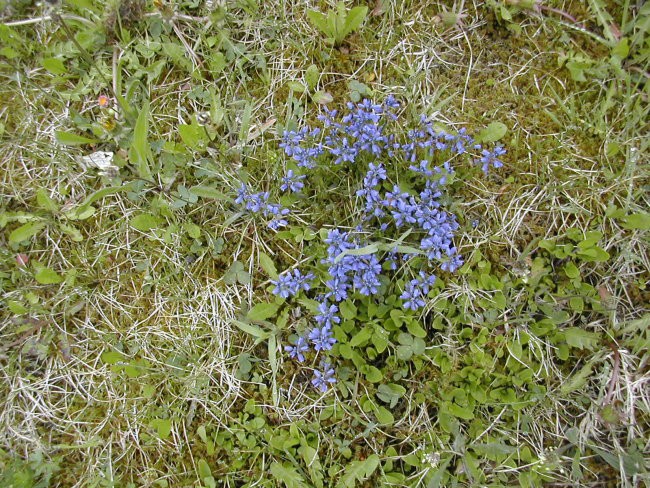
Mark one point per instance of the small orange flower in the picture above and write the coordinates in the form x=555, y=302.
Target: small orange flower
x=103, y=101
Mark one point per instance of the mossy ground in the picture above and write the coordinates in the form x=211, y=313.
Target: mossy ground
x=184, y=388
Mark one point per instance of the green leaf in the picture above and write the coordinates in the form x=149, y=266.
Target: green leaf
x=112, y=357
x=636, y=221
x=192, y=135
x=70, y=139
x=354, y=19
x=263, y=311
x=268, y=266
x=54, y=66
x=145, y=222
x=163, y=427
x=253, y=330
x=203, y=468
x=493, y=132
x=360, y=337
x=358, y=471
x=319, y=21
x=312, y=75
x=45, y=202
x=140, y=152
x=582, y=339
x=80, y=212
x=465, y=413
x=348, y=310
x=288, y=474
x=322, y=97
x=384, y=416
x=47, y=276
x=26, y=231
x=362, y=251
x=209, y=192
x=16, y=307
x=578, y=380
x=390, y=393
x=416, y=329
x=373, y=374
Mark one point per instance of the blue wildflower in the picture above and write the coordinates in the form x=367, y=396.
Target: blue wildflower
x=298, y=349
x=292, y=182
x=323, y=379
x=322, y=338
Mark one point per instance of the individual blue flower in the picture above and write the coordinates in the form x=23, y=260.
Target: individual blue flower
x=491, y=158
x=327, y=315
x=416, y=291
x=323, y=379
x=298, y=349
x=292, y=182
x=321, y=338
x=288, y=284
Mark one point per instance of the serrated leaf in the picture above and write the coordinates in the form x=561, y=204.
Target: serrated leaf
x=358, y=471
x=70, y=139
x=493, y=132
x=26, y=231
x=288, y=475
x=577, y=381
x=263, y=311
x=47, y=276
x=145, y=222
x=268, y=266
x=580, y=338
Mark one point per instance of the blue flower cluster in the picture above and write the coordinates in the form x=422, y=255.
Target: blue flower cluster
x=392, y=205
x=259, y=203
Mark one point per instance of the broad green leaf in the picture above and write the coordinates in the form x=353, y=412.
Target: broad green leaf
x=47, y=276
x=45, y=202
x=312, y=75
x=111, y=357
x=360, y=337
x=322, y=97
x=465, y=413
x=145, y=222
x=70, y=139
x=348, y=310
x=493, y=132
x=209, y=192
x=580, y=338
x=637, y=221
x=263, y=311
x=384, y=416
x=416, y=329
x=267, y=265
x=163, y=427
x=203, y=468
x=373, y=374
x=54, y=66
x=192, y=135
x=288, y=475
x=319, y=21
x=26, y=231
x=16, y=307
x=354, y=19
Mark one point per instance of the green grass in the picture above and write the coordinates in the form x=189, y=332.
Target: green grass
x=122, y=361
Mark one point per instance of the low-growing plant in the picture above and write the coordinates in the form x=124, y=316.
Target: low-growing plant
x=337, y=24
x=367, y=280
